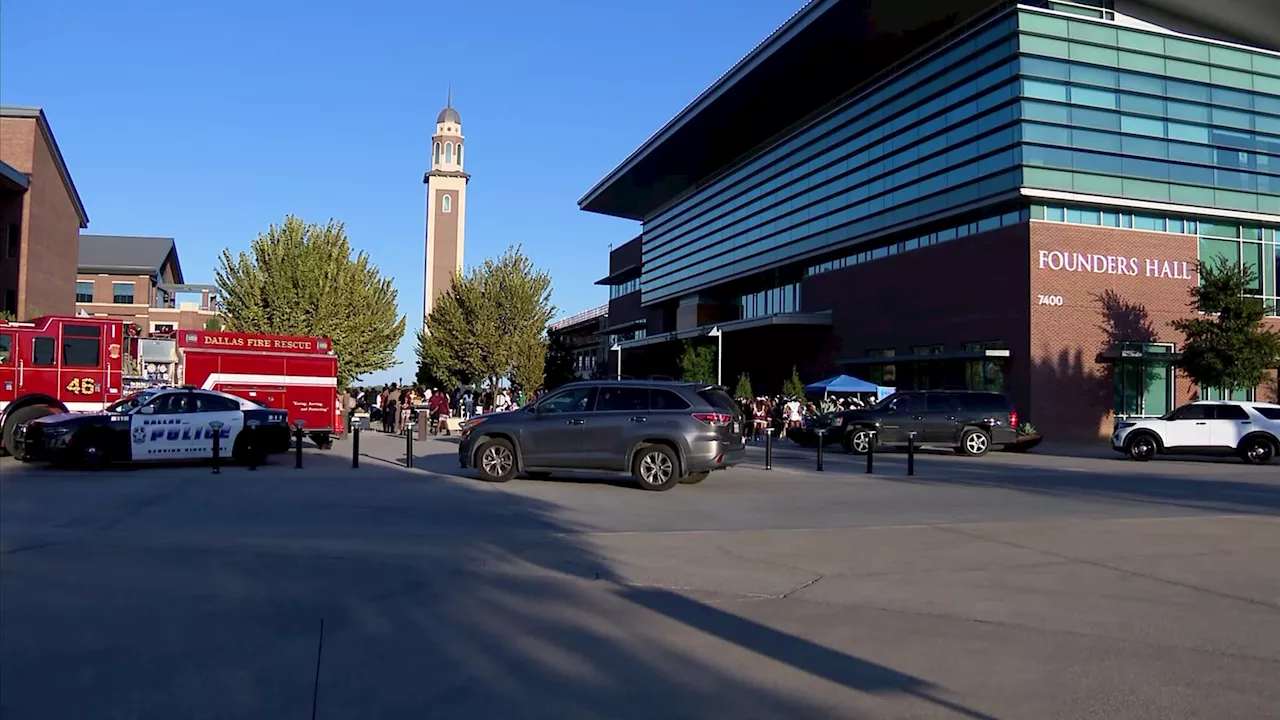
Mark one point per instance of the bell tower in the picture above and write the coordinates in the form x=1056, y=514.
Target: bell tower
x=446, y=206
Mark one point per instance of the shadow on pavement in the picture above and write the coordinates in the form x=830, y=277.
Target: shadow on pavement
x=439, y=599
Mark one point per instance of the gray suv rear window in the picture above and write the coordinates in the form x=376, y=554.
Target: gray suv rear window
x=719, y=399
x=660, y=399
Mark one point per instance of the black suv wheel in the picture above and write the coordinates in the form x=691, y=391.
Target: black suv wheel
x=858, y=441
x=974, y=442
x=1141, y=446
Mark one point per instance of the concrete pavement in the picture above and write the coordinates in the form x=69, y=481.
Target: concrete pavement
x=1010, y=587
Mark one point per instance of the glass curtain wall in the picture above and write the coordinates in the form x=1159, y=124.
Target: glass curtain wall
x=938, y=135
x=1115, y=111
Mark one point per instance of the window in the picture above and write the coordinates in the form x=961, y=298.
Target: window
x=437, y=154
x=10, y=301
x=13, y=241
x=1230, y=412
x=173, y=403
x=569, y=401
x=6, y=348
x=459, y=153
x=939, y=403
x=907, y=404
x=448, y=153
x=122, y=293
x=622, y=399
x=43, y=352
x=927, y=350
x=84, y=291
x=660, y=399
x=1193, y=412
x=1269, y=413
x=81, y=346
x=446, y=204
x=208, y=402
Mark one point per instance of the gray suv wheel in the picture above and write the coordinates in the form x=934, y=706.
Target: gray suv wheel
x=656, y=467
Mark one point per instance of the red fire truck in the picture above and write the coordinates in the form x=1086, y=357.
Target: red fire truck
x=298, y=374
x=80, y=364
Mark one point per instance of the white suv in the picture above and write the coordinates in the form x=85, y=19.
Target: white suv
x=1249, y=430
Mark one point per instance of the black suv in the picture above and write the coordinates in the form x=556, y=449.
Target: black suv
x=971, y=422
x=663, y=433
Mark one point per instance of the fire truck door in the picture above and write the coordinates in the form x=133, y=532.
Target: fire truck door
x=8, y=374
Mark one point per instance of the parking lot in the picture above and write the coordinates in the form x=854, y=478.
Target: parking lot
x=1011, y=586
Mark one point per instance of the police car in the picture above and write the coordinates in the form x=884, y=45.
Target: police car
x=157, y=424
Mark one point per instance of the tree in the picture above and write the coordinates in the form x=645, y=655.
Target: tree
x=559, y=366
x=1227, y=346
x=301, y=279
x=213, y=323
x=6, y=315
x=792, y=387
x=743, y=388
x=491, y=325
x=698, y=363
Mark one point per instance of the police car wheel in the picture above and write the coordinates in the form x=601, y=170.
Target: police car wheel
x=244, y=451
x=91, y=452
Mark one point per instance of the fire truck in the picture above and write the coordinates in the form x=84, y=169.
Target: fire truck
x=294, y=373
x=83, y=364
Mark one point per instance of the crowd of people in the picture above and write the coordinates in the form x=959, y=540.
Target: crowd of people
x=793, y=413
x=393, y=407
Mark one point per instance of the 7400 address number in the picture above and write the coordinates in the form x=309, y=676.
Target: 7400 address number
x=1052, y=300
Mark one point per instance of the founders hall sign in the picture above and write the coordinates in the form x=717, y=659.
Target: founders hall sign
x=1064, y=261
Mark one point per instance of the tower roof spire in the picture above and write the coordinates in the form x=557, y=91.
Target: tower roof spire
x=448, y=114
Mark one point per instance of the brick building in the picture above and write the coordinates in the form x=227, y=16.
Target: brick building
x=140, y=279
x=41, y=216
x=1009, y=196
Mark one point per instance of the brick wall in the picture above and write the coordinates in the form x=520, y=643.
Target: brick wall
x=52, y=242
x=1133, y=285
x=973, y=289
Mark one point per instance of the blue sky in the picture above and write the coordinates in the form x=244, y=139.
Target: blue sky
x=207, y=122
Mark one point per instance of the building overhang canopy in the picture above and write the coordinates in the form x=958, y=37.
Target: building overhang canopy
x=821, y=319
x=824, y=53
x=931, y=357
x=630, y=272
x=13, y=179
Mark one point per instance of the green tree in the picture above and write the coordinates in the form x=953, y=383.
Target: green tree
x=6, y=315
x=213, y=323
x=743, y=388
x=301, y=279
x=559, y=365
x=491, y=325
x=698, y=363
x=792, y=387
x=1227, y=345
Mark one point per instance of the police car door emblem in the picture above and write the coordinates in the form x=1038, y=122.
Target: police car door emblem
x=139, y=435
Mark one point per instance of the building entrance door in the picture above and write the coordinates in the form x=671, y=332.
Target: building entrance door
x=1143, y=388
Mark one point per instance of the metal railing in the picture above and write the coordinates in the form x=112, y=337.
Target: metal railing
x=581, y=317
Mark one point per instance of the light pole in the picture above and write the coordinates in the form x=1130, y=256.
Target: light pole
x=618, y=349
x=715, y=333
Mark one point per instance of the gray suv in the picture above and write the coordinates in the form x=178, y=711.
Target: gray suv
x=663, y=433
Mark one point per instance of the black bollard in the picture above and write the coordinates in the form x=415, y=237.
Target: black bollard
x=297, y=464
x=250, y=449
x=821, y=433
x=871, y=452
x=911, y=453
x=408, y=445
x=355, y=447
x=217, y=430
x=768, y=448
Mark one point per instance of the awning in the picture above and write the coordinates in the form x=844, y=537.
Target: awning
x=816, y=318
x=956, y=355
x=842, y=384
x=1116, y=354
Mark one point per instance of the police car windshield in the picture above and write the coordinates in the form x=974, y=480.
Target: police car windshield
x=130, y=402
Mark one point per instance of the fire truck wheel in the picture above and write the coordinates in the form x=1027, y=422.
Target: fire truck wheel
x=23, y=415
